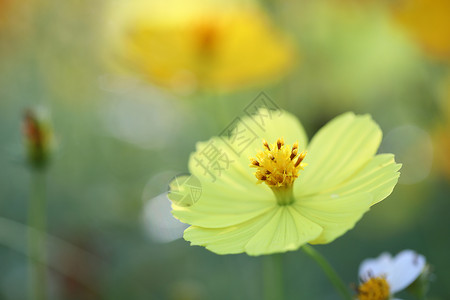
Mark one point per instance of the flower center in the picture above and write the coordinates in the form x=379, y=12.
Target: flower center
x=206, y=34
x=374, y=289
x=278, y=165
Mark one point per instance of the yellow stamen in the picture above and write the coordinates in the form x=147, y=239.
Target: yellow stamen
x=376, y=288
x=300, y=158
x=255, y=162
x=266, y=145
x=293, y=153
x=278, y=165
x=280, y=143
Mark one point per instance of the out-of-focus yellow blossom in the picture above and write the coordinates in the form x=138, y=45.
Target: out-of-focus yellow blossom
x=189, y=45
x=4, y=6
x=441, y=134
x=442, y=142
x=428, y=22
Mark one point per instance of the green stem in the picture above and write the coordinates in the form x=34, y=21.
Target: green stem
x=329, y=271
x=273, y=277
x=422, y=294
x=36, y=237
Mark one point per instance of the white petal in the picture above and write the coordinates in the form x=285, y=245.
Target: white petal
x=399, y=271
x=407, y=266
x=376, y=267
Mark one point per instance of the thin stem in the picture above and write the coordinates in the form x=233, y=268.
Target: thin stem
x=273, y=277
x=36, y=237
x=422, y=293
x=329, y=271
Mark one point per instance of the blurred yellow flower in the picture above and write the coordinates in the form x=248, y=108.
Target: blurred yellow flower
x=442, y=141
x=4, y=7
x=428, y=21
x=190, y=45
x=312, y=197
x=441, y=134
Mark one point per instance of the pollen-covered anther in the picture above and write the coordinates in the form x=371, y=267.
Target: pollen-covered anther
x=300, y=158
x=278, y=165
x=266, y=145
x=255, y=163
x=280, y=143
x=293, y=154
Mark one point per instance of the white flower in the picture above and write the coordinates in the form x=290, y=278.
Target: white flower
x=384, y=276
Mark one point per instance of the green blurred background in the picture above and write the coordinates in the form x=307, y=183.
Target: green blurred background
x=121, y=136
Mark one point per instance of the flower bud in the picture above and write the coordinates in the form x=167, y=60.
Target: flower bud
x=38, y=138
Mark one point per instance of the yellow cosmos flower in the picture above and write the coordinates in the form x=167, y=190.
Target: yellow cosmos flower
x=275, y=196
x=428, y=22
x=186, y=45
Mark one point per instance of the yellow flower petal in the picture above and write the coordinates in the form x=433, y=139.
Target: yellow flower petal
x=228, y=240
x=334, y=213
x=378, y=178
x=337, y=151
x=272, y=125
x=282, y=229
x=216, y=162
x=287, y=230
x=223, y=207
x=225, y=179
